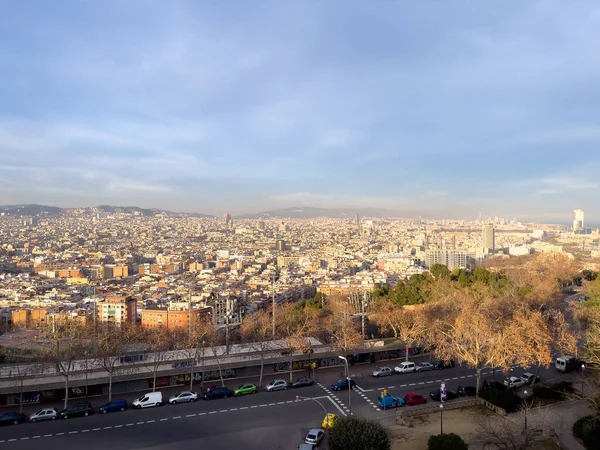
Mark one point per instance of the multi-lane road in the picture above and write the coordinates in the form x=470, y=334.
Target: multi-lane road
x=273, y=420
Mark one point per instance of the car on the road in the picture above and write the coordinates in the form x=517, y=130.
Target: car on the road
x=424, y=366
x=467, y=391
x=12, y=418
x=305, y=446
x=44, y=414
x=314, y=436
x=389, y=401
x=329, y=420
x=114, y=406
x=382, y=372
x=303, y=382
x=412, y=398
x=528, y=378
x=405, y=367
x=276, y=385
x=443, y=364
x=148, y=400
x=244, y=389
x=183, y=397
x=77, y=410
x=220, y=392
x=342, y=384
x=513, y=382
x=437, y=396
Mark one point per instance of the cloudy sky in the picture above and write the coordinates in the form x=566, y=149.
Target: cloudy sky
x=432, y=107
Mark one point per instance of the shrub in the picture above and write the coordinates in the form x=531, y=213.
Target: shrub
x=354, y=433
x=448, y=441
x=505, y=399
x=588, y=430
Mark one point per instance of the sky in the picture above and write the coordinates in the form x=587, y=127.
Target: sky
x=435, y=108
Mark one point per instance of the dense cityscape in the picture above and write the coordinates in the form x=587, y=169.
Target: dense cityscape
x=299, y=225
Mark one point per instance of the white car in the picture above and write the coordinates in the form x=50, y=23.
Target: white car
x=183, y=397
x=382, y=372
x=276, y=385
x=405, y=367
x=513, y=382
x=528, y=378
x=315, y=436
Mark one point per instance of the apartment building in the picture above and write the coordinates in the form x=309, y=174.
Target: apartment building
x=29, y=318
x=174, y=319
x=117, y=311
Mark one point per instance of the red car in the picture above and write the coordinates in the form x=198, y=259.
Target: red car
x=412, y=398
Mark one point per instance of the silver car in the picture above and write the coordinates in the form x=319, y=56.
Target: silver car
x=44, y=414
x=424, y=366
x=315, y=436
x=382, y=372
x=276, y=385
x=183, y=397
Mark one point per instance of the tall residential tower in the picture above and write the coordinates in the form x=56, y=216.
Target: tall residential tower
x=489, y=237
x=578, y=223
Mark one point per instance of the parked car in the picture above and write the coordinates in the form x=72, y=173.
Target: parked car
x=342, y=384
x=276, y=385
x=405, y=367
x=528, y=378
x=382, y=372
x=437, y=395
x=389, y=401
x=412, y=398
x=443, y=364
x=220, y=392
x=496, y=385
x=77, y=410
x=149, y=400
x=305, y=446
x=44, y=414
x=314, y=436
x=245, y=389
x=513, y=382
x=12, y=418
x=329, y=420
x=183, y=397
x=302, y=382
x=424, y=366
x=467, y=391
x=114, y=406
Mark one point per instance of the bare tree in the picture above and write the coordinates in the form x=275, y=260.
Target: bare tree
x=21, y=372
x=160, y=342
x=191, y=344
x=215, y=340
x=256, y=331
x=406, y=324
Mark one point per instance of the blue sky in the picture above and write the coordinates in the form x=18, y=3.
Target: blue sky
x=432, y=107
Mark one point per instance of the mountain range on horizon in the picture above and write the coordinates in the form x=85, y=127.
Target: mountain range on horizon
x=297, y=212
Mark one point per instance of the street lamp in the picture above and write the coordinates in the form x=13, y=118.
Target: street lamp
x=525, y=412
x=298, y=398
x=582, y=377
x=441, y=418
x=348, y=381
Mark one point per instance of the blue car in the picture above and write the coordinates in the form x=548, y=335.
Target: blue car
x=389, y=401
x=114, y=406
x=342, y=385
x=221, y=392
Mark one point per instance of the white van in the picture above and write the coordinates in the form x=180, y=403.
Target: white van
x=405, y=367
x=148, y=400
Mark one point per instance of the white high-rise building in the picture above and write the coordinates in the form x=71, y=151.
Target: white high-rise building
x=578, y=223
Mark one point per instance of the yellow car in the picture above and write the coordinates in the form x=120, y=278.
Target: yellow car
x=329, y=421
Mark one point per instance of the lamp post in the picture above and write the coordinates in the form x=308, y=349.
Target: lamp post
x=441, y=418
x=298, y=398
x=348, y=381
x=525, y=412
x=582, y=377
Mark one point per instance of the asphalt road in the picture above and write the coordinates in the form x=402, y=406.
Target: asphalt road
x=271, y=420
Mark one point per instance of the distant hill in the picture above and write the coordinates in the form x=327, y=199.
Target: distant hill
x=40, y=210
x=30, y=210
x=313, y=213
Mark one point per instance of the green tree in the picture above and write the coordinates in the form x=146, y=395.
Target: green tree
x=355, y=433
x=439, y=271
x=449, y=441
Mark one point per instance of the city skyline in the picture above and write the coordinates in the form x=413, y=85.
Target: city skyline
x=443, y=111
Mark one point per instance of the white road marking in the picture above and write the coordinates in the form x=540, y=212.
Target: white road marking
x=213, y=412
x=281, y=403
x=264, y=404
x=118, y=426
x=24, y=438
x=223, y=410
x=243, y=407
x=98, y=429
x=161, y=420
x=73, y=432
x=191, y=415
x=37, y=437
x=403, y=385
x=48, y=435
x=392, y=387
x=129, y=424
x=85, y=431
x=421, y=382
x=233, y=409
x=61, y=434
x=254, y=406
x=176, y=417
x=11, y=440
x=140, y=423
x=110, y=427
x=202, y=414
